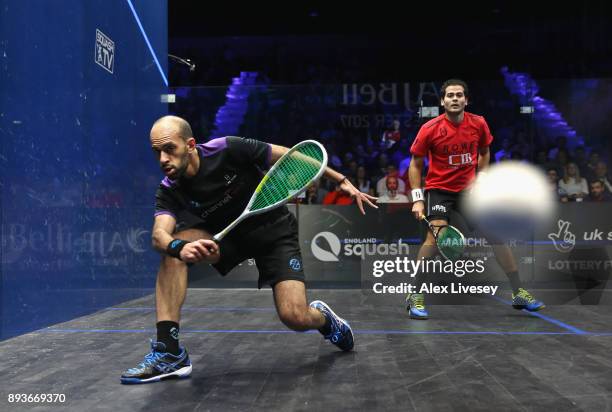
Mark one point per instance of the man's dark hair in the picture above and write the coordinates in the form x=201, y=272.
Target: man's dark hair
x=454, y=82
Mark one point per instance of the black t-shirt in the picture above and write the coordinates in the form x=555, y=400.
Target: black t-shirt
x=230, y=170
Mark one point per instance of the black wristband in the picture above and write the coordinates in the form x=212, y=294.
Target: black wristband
x=342, y=180
x=174, y=248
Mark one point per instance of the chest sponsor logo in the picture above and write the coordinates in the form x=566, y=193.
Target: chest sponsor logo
x=229, y=179
x=460, y=159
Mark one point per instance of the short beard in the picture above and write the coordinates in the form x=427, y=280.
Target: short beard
x=182, y=169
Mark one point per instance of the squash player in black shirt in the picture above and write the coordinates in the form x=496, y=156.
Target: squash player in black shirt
x=206, y=187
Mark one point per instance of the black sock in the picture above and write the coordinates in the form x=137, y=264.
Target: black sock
x=515, y=281
x=326, y=329
x=168, y=334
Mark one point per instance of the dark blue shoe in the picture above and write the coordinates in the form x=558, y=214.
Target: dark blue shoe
x=415, y=305
x=341, y=333
x=158, y=365
x=524, y=300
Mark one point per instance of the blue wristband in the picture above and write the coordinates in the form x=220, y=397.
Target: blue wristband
x=174, y=248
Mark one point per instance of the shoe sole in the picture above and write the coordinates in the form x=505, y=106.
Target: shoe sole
x=182, y=373
x=315, y=302
x=521, y=307
x=414, y=316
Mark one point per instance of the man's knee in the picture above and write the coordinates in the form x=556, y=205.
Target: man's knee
x=295, y=317
x=171, y=263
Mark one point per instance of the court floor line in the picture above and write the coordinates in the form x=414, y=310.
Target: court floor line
x=146, y=38
x=200, y=309
x=356, y=331
x=547, y=318
x=563, y=325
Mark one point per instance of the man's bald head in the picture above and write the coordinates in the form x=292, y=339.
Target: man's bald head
x=177, y=124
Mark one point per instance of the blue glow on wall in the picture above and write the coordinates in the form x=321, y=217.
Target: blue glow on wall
x=80, y=90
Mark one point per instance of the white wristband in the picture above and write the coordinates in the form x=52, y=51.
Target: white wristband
x=417, y=194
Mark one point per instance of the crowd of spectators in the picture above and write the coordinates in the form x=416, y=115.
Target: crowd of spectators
x=575, y=175
x=369, y=140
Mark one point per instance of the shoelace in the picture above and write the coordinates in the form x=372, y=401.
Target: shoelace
x=525, y=295
x=418, y=301
x=150, y=359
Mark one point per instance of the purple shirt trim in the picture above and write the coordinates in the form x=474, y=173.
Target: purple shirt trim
x=167, y=182
x=164, y=212
x=213, y=146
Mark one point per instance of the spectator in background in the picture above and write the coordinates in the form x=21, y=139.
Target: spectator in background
x=338, y=197
x=580, y=158
x=378, y=168
x=553, y=179
x=314, y=195
x=504, y=152
x=360, y=154
x=391, y=136
x=404, y=165
x=572, y=185
x=601, y=173
x=334, y=160
x=401, y=155
x=392, y=194
x=598, y=192
x=381, y=185
x=561, y=161
x=363, y=182
x=593, y=160
x=348, y=157
x=372, y=158
x=541, y=159
x=561, y=145
x=351, y=169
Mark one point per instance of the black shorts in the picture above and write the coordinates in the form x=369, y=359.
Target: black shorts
x=273, y=243
x=445, y=205
x=450, y=206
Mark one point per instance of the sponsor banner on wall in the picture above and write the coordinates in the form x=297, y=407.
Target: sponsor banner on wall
x=575, y=249
x=75, y=244
x=335, y=240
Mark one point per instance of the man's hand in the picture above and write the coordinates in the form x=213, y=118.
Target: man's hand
x=418, y=209
x=202, y=250
x=347, y=187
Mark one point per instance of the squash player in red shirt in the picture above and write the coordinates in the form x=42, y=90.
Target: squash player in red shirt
x=457, y=146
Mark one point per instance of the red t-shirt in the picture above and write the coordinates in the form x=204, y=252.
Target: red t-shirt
x=337, y=198
x=452, y=150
